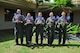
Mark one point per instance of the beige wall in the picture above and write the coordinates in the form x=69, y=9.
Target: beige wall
x=1, y=15
x=3, y=24
x=76, y=18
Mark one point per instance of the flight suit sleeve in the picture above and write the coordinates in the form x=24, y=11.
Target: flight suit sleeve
x=47, y=20
x=43, y=21
x=13, y=19
x=35, y=21
x=32, y=20
x=23, y=18
x=59, y=20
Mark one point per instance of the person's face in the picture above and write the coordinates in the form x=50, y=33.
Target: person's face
x=51, y=14
x=40, y=14
x=28, y=14
x=18, y=11
x=63, y=14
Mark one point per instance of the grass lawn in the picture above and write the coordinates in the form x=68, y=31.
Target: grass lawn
x=7, y=45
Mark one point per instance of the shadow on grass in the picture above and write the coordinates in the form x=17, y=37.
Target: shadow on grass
x=6, y=36
x=33, y=46
x=55, y=45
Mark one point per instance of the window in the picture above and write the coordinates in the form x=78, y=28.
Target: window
x=9, y=14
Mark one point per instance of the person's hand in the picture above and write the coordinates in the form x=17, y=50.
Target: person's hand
x=17, y=21
x=29, y=22
x=56, y=22
x=66, y=22
x=49, y=23
x=62, y=22
x=40, y=22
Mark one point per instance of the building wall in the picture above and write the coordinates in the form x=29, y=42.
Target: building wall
x=76, y=17
x=3, y=24
x=76, y=11
x=1, y=14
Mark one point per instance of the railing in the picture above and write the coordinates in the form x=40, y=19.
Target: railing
x=20, y=2
x=17, y=2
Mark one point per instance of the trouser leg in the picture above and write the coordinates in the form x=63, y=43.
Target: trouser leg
x=48, y=37
x=21, y=34
x=30, y=34
x=52, y=36
x=27, y=36
x=37, y=34
x=52, y=32
x=41, y=34
x=19, y=29
x=64, y=34
x=64, y=39
x=21, y=38
x=16, y=35
x=60, y=36
x=16, y=38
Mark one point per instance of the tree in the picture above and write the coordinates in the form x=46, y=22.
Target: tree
x=62, y=3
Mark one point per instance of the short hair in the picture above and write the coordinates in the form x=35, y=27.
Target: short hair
x=51, y=12
x=20, y=9
x=27, y=13
x=65, y=12
x=39, y=12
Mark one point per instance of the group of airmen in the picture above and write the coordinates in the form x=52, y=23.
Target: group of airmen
x=28, y=21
